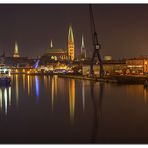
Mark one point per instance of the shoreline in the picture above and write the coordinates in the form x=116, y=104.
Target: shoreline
x=124, y=79
x=111, y=79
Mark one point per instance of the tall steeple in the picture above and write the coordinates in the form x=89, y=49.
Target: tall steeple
x=16, y=51
x=51, y=44
x=82, y=44
x=71, y=48
x=83, y=51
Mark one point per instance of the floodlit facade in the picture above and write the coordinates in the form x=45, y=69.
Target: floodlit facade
x=71, y=47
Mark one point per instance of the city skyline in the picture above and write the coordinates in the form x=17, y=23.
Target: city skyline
x=122, y=29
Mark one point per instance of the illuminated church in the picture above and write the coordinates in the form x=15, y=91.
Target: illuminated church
x=71, y=46
x=55, y=53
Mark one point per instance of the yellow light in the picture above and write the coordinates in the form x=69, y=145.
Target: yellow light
x=5, y=98
x=72, y=99
x=17, y=89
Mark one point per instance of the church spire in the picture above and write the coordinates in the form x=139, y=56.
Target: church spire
x=16, y=51
x=83, y=50
x=82, y=44
x=71, y=48
x=51, y=44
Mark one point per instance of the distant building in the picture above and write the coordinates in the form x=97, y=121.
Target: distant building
x=16, y=51
x=71, y=47
x=112, y=67
x=137, y=65
x=55, y=53
x=16, y=60
x=107, y=58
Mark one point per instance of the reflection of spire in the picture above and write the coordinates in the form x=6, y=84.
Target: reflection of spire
x=51, y=44
x=24, y=81
x=45, y=82
x=72, y=99
x=28, y=79
x=52, y=92
x=17, y=89
x=83, y=95
x=16, y=51
x=54, y=85
x=9, y=90
x=5, y=100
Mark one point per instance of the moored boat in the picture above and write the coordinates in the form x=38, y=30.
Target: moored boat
x=5, y=76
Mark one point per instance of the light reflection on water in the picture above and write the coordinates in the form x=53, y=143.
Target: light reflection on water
x=95, y=110
x=72, y=99
x=5, y=99
x=37, y=88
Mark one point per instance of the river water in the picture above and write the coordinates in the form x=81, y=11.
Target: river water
x=50, y=109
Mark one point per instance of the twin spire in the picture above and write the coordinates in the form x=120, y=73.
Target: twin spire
x=83, y=50
x=71, y=47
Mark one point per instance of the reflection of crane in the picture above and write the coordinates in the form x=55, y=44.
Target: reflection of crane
x=96, y=45
x=97, y=105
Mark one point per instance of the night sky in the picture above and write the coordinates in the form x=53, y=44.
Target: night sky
x=122, y=29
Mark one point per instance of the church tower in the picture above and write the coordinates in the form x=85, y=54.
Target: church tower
x=51, y=44
x=83, y=50
x=16, y=51
x=71, y=48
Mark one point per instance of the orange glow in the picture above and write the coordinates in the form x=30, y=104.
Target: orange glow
x=24, y=81
x=52, y=92
x=28, y=79
x=72, y=99
x=83, y=95
x=17, y=89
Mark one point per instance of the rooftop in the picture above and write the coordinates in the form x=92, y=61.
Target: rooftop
x=55, y=50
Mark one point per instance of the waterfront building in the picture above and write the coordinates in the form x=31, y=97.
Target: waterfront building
x=71, y=46
x=111, y=67
x=107, y=58
x=138, y=65
x=83, y=50
x=16, y=60
x=16, y=51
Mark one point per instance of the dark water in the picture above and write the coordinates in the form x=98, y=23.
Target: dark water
x=42, y=109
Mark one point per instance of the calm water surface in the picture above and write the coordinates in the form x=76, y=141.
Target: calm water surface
x=44, y=109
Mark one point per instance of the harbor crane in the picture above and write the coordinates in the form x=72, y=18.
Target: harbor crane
x=96, y=46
